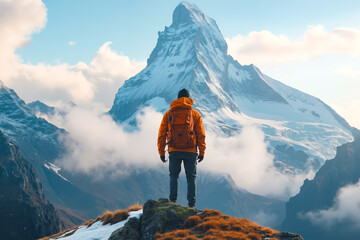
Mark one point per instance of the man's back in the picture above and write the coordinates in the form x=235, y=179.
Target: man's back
x=183, y=130
x=183, y=103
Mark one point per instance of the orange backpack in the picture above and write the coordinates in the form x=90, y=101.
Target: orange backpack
x=181, y=129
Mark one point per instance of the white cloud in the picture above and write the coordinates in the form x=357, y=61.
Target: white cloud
x=246, y=159
x=108, y=71
x=71, y=43
x=97, y=145
x=18, y=20
x=348, y=72
x=81, y=83
x=53, y=82
x=266, y=47
x=346, y=209
x=109, y=66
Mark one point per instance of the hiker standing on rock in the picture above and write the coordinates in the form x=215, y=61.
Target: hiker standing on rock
x=183, y=130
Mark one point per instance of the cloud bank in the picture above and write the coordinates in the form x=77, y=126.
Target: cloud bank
x=246, y=158
x=18, y=21
x=98, y=146
x=266, y=47
x=346, y=209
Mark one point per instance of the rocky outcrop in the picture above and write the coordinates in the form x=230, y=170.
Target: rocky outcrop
x=25, y=213
x=287, y=236
x=163, y=216
x=163, y=219
x=130, y=231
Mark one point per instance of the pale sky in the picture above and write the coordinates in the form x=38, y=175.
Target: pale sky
x=83, y=51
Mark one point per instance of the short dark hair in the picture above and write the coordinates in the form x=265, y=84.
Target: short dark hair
x=183, y=93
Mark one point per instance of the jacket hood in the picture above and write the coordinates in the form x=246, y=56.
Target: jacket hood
x=183, y=102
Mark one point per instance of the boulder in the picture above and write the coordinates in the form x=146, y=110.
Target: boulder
x=163, y=216
x=130, y=231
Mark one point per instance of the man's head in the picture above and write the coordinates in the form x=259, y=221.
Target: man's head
x=183, y=93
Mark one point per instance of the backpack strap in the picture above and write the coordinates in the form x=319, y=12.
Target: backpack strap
x=171, y=119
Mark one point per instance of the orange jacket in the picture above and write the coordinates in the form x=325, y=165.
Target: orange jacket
x=183, y=102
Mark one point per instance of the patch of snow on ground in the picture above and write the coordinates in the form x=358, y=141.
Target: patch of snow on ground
x=98, y=231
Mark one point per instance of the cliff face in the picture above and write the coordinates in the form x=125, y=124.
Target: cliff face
x=24, y=210
x=321, y=194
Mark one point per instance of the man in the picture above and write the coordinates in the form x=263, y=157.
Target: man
x=183, y=130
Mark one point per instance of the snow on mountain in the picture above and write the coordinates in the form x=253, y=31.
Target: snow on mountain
x=192, y=53
x=35, y=136
x=55, y=169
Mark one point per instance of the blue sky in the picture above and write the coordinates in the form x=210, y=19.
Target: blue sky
x=132, y=26
x=83, y=51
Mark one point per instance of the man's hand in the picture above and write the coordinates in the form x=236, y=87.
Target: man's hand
x=200, y=158
x=163, y=159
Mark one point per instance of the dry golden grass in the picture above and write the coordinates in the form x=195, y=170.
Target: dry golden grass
x=118, y=215
x=178, y=234
x=212, y=224
x=192, y=221
x=107, y=217
x=134, y=207
x=114, y=217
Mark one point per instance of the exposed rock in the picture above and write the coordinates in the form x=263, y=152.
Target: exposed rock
x=287, y=236
x=163, y=216
x=24, y=210
x=130, y=231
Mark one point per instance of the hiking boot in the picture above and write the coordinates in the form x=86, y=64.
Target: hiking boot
x=191, y=205
x=173, y=201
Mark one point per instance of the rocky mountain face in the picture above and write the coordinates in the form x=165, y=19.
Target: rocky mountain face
x=192, y=54
x=320, y=194
x=37, y=139
x=25, y=212
x=38, y=107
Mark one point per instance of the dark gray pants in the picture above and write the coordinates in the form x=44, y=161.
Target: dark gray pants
x=175, y=159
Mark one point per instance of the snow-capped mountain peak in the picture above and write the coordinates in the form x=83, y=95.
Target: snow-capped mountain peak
x=187, y=12
x=192, y=53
